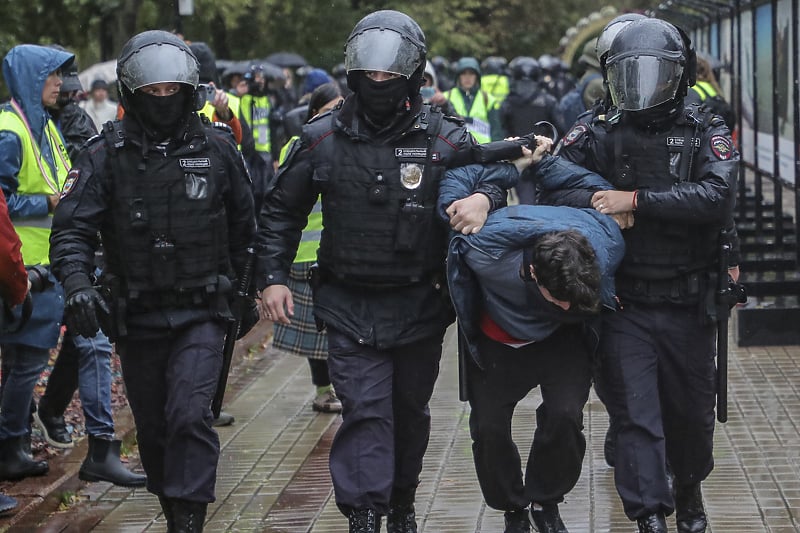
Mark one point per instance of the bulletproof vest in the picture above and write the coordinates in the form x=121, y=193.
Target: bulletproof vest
x=379, y=204
x=170, y=225
x=666, y=256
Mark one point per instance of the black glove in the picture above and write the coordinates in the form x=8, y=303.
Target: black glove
x=250, y=318
x=82, y=305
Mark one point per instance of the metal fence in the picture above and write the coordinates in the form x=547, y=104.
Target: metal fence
x=756, y=45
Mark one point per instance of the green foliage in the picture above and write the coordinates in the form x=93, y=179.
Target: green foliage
x=247, y=29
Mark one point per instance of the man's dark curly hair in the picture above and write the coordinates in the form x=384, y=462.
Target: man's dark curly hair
x=566, y=265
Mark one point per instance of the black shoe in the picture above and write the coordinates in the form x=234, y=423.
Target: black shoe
x=7, y=504
x=224, y=419
x=15, y=463
x=517, y=521
x=364, y=521
x=102, y=464
x=690, y=516
x=188, y=517
x=548, y=520
x=401, y=519
x=54, y=430
x=654, y=523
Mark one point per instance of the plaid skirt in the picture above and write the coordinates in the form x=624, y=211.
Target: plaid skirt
x=301, y=336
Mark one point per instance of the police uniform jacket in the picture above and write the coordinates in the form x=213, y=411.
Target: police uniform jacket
x=516, y=227
x=380, y=285
x=201, y=168
x=684, y=172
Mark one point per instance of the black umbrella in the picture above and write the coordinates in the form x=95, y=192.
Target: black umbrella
x=270, y=70
x=286, y=59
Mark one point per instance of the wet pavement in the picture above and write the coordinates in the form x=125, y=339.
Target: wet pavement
x=273, y=474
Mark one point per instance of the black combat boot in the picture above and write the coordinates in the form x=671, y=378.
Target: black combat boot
x=187, y=517
x=166, y=506
x=364, y=521
x=15, y=463
x=547, y=519
x=517, y=521
x=690, y=516
x=102, y=464
x=401, y=519
x=654, y=523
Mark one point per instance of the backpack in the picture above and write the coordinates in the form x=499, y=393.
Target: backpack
x=571, y=104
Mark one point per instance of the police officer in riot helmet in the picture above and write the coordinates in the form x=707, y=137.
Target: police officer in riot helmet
x=674, y=167
x=170, y=196
x=376, y=160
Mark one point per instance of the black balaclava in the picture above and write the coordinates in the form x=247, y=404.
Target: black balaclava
x=381, y=101
x=161, y=115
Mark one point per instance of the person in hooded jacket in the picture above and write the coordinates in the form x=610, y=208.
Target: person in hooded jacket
x=170, y=196
x=477, y=107
x=33, y=169
x=376, y=161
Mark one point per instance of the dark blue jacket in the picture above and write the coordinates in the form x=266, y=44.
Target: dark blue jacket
x=517, y=227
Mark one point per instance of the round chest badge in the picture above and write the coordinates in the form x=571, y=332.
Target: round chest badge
x=410, y=175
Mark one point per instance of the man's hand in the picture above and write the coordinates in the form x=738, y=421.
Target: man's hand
x=613, y=202
x=733, y=272
x=80, y=312
x=220, y=104
x=468, y=215
x=623, y=220
x=543, y=146
x=277, y=304
x=52, y=202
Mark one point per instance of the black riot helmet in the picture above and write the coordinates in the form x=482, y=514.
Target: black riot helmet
x=494, y=65
x=157, y=56
x=525, y=68
x=610, y=31
x=387, y=41
x=649, y=63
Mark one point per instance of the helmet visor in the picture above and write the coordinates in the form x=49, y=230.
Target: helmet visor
x=382, y=50
x=158, y=63
x=639, y=82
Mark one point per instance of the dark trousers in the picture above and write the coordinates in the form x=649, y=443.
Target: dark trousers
x=376, y=456
x=170, y=383
x=659, y=380
x=319, y=372
x=560, y=366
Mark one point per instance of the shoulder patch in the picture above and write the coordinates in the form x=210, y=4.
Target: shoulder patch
x=722, y=147
x=574, y=134
x=72, y=179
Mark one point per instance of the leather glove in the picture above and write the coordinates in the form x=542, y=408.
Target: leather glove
x=250, y=317
x=82, y=305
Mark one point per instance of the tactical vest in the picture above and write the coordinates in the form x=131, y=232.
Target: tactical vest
x=667, y=257
x=479, y=125
x=170, y=238
x=378, y=206
x=36, y=177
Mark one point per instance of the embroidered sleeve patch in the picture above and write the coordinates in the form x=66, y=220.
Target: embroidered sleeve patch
x=72, y=179
x=722, y=147
x=574, y=134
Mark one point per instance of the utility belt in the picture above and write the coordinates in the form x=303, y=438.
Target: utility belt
x=686, y=289
x=124, y=302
